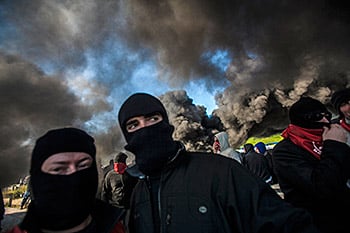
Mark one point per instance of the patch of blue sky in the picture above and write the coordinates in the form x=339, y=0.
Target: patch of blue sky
x=102, y=122
x=200, y=94
x=252, y=55
x=219, y=58
x=114, y=62
x=8, y=34
x=144, y=79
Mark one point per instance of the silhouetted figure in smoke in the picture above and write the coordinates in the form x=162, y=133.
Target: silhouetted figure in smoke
x=257, y=164
x=312, y=164
x=222, y=146
x=108, y=168
x=194, y=191
x=118, y=184
x=64, y=180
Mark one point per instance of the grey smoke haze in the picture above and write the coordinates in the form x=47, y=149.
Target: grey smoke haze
x=280, y=50
x=31, y=103
x=189, y=121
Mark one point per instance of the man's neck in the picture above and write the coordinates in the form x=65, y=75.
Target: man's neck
x=77, y=228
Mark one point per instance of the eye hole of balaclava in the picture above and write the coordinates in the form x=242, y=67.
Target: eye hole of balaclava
x=139, y=104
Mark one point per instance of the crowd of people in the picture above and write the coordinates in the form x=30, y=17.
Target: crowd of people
x=170, y=189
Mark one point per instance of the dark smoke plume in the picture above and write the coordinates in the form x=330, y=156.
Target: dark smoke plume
x=281, y=50
x=31, y=103
x=278, y=51
x=191, y=122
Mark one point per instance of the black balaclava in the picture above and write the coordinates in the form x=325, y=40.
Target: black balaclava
x=340, y=97
x=248, y=147
x=153, y=146
x=62, y=201
x=120, y=158
x=301, y=112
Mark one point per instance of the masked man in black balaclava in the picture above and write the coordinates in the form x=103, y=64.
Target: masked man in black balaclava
x=153, y=144
x=312, y=164
x=195, y=192
x=64, y=182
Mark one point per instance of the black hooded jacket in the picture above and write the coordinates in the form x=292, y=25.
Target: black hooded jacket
x=200, y=192
x=258, y=165
x=316, y=185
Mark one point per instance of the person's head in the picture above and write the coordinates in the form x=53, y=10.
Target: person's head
x=64, y=178
x=147, y=131
x=260, y=147
x=309, y=113
x=248, y=147
x=341, y=102
x=120, y=163
x=222, y=140
x=216, y=139
x=216, y=145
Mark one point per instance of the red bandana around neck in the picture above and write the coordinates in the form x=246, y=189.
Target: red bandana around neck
x=308, y=139
x=345, y=125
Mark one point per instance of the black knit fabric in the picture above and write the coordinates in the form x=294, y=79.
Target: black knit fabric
x=140, y=104
x=300, y=110
x=61, y=140
x=340, y=97
x=120, y=158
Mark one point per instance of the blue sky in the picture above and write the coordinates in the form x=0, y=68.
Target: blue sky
x=112, y=65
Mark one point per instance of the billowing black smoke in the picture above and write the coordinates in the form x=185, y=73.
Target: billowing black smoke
x=278, y=50
x=31, y=103
x=192, y=125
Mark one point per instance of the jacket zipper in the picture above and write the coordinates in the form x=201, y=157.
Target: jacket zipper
x=159, y=204
x=158, y=199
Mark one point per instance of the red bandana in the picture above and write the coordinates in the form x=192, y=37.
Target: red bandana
x=119, y=167
x=345, y=125
x=309, y=139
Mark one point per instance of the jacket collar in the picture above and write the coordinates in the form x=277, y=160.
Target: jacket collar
x=134, y=170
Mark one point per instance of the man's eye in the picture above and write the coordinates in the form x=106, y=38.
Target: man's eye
x=84, y=165
x=58, y=170
x=154, y=118
x=131, y=126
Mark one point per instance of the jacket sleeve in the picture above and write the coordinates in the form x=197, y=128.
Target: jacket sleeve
x=105, y=189
x=323, y=178
x=258, y=208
